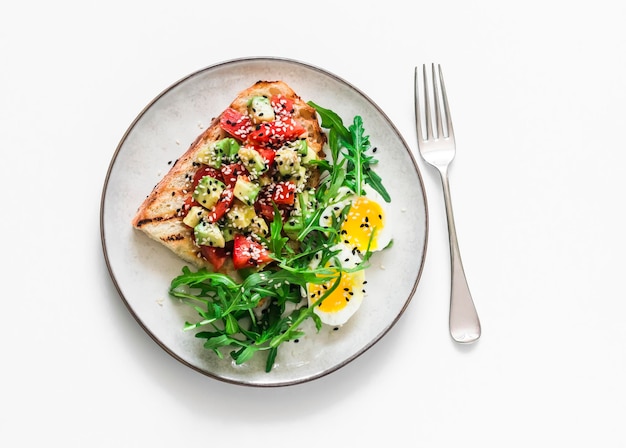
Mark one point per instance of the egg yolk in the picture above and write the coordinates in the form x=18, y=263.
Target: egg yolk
x=340, y=297
x=364, y=217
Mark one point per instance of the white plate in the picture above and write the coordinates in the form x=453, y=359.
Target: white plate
x=142, y=269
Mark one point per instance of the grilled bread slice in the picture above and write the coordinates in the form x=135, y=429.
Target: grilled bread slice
x=160, y=216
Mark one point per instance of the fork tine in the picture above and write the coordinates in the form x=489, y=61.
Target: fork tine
x=429, y=124
x=446, y=108
x=436, y=101
x=418, y=115
x=432, y=93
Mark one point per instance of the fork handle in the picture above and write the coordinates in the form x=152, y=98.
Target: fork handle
x=464, y=322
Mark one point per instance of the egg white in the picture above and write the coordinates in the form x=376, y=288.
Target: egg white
x=343, y=199
x=344, y=301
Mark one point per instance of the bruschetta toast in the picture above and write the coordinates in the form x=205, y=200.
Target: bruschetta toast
x=217, y=201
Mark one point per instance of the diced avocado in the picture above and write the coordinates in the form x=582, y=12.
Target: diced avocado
x=240, y=215
x=208, y=234
x=293, y=226
x=246, y=191
x=228, y=233
x=208, y=191
x=287, y=161
x=264, y=179
x=229, y=147
x=304, y=209
x=210, y=155
x=306, y=202
x=306, y=160
x=308, y=157
x=195, y=215
x=213, y=153
x=300, y=177
x=259, y=226
x=301, y=146
x=260, y=109
x=252, y=160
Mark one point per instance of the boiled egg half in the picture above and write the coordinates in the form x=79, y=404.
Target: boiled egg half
x=364, y=226
x=362, y=229
x=341, y=304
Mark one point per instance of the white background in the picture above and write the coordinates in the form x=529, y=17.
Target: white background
x=537, y=90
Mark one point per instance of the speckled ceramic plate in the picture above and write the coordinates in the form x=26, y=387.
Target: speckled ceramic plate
x=142, y=269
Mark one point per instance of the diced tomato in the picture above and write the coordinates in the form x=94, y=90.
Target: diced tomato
x=235, y=123
x=231, y=172
x=284, y=193
x=248, y=253
x=265, y=210
x=268, y=155
x=282, y=105
x=275, y=133
x=283, y=197
x=224, y=204
x=215, y=255
x=206, y=171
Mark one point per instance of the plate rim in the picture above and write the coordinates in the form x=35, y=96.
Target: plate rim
x=165, y=347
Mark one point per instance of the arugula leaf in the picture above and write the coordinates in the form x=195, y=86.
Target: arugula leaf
x=331, y=121
x=277, y=241
x=353, y=139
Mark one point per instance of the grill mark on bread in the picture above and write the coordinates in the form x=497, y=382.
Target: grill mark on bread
x=176, y=237
x=153, y=220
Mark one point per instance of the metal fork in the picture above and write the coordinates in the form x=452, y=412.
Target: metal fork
x=438, y=149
